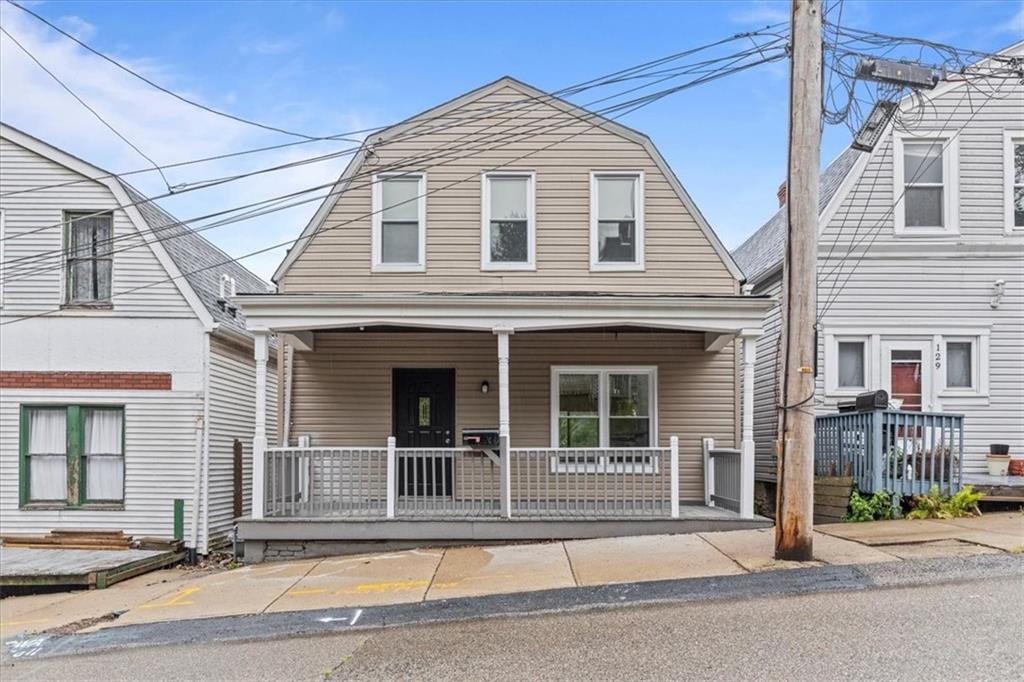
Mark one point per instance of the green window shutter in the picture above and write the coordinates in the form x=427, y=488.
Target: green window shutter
x=76, y=478
x=23, y=456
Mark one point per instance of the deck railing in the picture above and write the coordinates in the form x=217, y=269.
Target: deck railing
x=552, y=483
x=723, y=476
x=904, y=453
x=593, y=482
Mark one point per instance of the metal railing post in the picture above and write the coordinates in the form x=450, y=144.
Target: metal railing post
x=391, y=477
x=707, y=445
x=674, y=474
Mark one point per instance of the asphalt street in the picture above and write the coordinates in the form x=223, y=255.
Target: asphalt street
x=966, y=630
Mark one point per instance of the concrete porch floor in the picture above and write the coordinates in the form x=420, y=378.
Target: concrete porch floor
x=436, y=573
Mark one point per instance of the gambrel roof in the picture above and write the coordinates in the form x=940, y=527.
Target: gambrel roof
x=529, y=92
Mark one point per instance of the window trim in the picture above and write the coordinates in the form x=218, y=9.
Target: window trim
x=979, y=366
x=832, y=342
x=378, y=214
x=651, y=371
x=67, y=216
x=76, y=458
x=638, y=263
x=1009, y=138
x=485, y=221
x=950, y=183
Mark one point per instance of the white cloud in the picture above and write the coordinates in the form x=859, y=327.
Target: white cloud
x=77, y=26
x=761, y=12
x=334, y=19
x=267, y=47
x=1014, y=25
x=168, y=131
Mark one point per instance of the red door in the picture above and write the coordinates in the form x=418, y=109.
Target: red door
x=906, y=378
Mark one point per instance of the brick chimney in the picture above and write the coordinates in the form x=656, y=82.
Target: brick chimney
x=781, y=194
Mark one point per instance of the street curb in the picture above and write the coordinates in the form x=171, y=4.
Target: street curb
x=574, y=599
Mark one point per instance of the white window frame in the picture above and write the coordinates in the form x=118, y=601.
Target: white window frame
x=638, y=253
x=1009, y=138
x=979, y=366
x=832, y=342
x=378, y=212
x=600, y=463
x=485, y=221
x=948, y=143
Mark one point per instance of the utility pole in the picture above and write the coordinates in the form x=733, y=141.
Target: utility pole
x=795, y=500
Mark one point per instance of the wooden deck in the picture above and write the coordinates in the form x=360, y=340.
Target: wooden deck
x=22, y=567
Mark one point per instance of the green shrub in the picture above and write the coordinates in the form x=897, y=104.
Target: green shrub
x=935, y=506
x=878, y=507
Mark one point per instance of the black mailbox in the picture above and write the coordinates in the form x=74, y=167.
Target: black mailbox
x=480, y=438
x=865, y=402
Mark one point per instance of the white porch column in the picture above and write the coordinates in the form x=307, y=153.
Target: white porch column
x=747, y=447
x=503, y=420
x=259, y=440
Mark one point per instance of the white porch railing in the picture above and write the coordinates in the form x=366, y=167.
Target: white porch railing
x=550, y=483
x=728, y=478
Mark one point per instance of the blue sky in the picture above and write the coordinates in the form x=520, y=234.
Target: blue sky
x=323, y=67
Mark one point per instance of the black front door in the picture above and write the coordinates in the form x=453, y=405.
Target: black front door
x=423, y=411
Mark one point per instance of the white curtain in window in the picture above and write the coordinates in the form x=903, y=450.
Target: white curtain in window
x=47, y=450
x=104, y=460
x=616, y=199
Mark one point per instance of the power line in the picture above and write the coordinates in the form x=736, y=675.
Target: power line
x=324, y=228
x=38, y=267
x=412, y=132
x=81, y=101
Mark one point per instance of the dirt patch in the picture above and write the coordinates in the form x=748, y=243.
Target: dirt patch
x=72, y=628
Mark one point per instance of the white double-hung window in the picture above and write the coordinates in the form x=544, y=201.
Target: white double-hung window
x=508, y=229
x=925, y=184
x=399, y=222
x=617, y=220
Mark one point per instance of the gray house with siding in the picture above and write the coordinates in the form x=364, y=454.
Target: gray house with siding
x=920, y=269
x=126, y=369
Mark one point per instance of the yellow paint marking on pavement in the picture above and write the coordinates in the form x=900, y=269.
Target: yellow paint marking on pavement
x=176, y=600
x=306, y=590
x=10, y=623
x=397, y=586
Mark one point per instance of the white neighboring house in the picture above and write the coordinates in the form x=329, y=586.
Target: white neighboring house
x=126, y=373
x=920, y=270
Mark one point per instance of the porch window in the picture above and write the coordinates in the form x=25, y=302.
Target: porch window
x=603, y=408
x=89, y=258
x=508, y=221
x=1014, y=181
x=926, y=177
x=72, y=455
x=399, y=217
x=616, y=221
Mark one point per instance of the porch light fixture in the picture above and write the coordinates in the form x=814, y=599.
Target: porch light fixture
x=484, y=387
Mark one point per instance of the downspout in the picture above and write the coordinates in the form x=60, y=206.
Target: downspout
x=199, y=470
x=206, y=444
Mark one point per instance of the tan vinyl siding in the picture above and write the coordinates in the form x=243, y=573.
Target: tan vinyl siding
x=679, y=258
x=232, y=416
x=342, y=390
x=33, y=230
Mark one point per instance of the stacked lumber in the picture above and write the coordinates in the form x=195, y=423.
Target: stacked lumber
x=68, y=538
x=831, y=498
x=160, y=544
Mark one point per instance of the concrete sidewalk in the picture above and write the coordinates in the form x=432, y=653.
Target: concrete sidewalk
x=431, y=574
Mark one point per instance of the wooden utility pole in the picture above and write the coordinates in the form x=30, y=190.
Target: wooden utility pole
x=795, y=502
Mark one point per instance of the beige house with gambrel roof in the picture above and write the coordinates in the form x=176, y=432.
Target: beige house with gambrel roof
x=507, y=308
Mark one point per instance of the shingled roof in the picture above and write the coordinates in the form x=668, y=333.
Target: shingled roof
x=199, y=260
x=765, y=249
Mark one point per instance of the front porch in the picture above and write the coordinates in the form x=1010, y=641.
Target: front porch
x=602, y=421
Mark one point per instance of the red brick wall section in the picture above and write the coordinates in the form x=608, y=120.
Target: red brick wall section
x=132, y=381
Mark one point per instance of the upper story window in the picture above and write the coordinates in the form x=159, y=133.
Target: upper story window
x=617, y=221
x=925, y=176
x=508, y=221
x=1014, y=181
x=399, y=222
x=851, y=364
x=89, y=257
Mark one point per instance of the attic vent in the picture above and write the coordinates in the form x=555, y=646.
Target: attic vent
x=228, y=289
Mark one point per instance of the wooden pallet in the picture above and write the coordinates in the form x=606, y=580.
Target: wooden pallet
x=831, y=498
x=63, y=538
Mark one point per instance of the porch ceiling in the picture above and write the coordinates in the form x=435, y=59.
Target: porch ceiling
x=735, y=315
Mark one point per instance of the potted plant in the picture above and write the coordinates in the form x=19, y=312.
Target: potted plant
x=998, y=459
